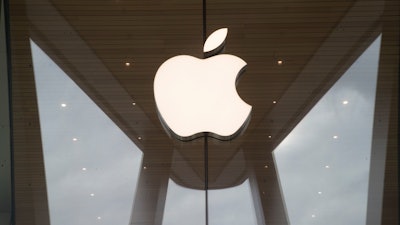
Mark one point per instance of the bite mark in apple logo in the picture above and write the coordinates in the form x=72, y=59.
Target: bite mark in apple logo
x=196, y=96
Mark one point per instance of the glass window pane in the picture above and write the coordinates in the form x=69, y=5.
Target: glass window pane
x=323, y=164
x=232, y=206
x=91, y=166
x=184, y=206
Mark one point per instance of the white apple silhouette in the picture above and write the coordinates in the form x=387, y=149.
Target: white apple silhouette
x=194, y=96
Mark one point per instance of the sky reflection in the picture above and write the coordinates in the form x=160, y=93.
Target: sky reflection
x=91, y=166
x=323, y=164
x=228, y=206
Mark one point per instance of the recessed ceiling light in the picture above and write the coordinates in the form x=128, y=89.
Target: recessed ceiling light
x=266, y=166
x=313, y=215
x=327, y=166
x=269, y=136
x=84, y=169
x=99, y=217
x=63, y=105
x=92, y=194
x=74, y=139
x=140, y=138
x=280, y=62
x=133, y=103
x=345, y=102
x=144, y=167
x=335, y=137
x=319, y=192
x=274, y=102
x=127, y=64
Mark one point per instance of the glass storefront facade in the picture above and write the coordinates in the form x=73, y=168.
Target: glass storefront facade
x=88, y=145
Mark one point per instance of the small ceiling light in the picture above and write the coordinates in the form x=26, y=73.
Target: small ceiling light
x=133, y=103
x=144, y=167
x=273, y=102
x=345, y=102
x=127, y=64
x=91, y=194
x=280, y=62
x=313, y=215
x=327, y=167
x=63, y=105
x=84, y=169
x=74, y=139
x=269, y=136
x=319, y=192
x=99, y=217
x=266, y=166
x=139, y=138
x=335, y=137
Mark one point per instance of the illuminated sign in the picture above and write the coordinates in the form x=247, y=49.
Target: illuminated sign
x=194, y=95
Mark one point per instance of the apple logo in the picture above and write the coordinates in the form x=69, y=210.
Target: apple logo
x=196, y=96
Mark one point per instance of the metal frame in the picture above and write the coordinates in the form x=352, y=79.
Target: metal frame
x=6, y=178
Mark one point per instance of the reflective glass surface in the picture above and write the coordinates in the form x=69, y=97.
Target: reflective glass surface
x=232, y=205
x=184, y=206
x=89, y=145
x=91, y=166
x=324, y=163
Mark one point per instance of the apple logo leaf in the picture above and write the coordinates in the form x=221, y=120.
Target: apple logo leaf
x=215, y=42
